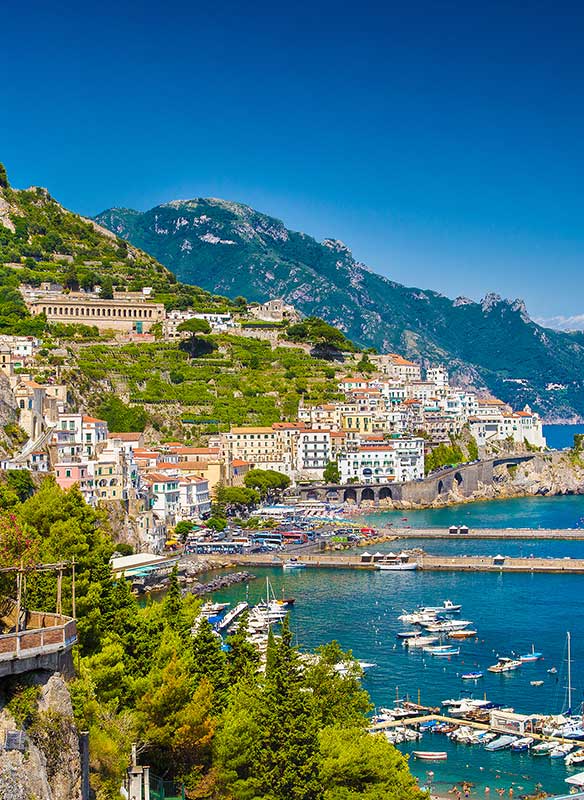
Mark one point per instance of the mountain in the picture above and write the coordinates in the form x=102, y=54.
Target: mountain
x=231, y=248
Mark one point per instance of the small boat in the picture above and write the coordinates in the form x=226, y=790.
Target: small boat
x=552, y=671
x=407, y=634
x=472, y=676
x=577, y=757
x=542, y=749
x=421, y=641
x=431, y=755
x=562, y=750
x=536, y=683
x=464, y=634
x=397, y=563
x=505, y=665
x=533, y=656
x=447, y=625
x=443, y=651
x=522, y=744
x=501, y=743
x=293, y=563
x=447, y=607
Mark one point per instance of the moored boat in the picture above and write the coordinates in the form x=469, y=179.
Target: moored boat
x=472, y=676
x=501, y=743
x=505, y=664
x=532, y=656
x=443, y=651
x=431, y=755
x=464, y=634
x=397, y=563
x=293, y=563
x=522, y=744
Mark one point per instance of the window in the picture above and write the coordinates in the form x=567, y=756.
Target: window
x=67, y=473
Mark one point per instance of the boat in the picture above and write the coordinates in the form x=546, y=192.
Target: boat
x=416, y=618
x=552, y=671
x=447, y=607
x=562, y=750
x=577, y=757
x=472, y=676
x=576, y=780
x=397, y=563
x=293, y=563
x=501, y=743
x=543, y=749
x=536, y=683
x=520, y=745
x=464, y=634
x=505, y=664
x=443, y=651
x=431, y=755
x=421, y=641
x=211, y=609
x=532, y=656
x=407, y=634
x=446, y=625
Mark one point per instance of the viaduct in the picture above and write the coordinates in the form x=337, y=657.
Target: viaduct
x=466, y=478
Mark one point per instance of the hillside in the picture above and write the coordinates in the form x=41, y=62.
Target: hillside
x=42, y=241
x=232, y=249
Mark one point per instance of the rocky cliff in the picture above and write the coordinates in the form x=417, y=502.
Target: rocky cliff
x=49, y=766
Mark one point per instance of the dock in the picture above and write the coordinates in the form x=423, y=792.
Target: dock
x=562, y=534
x=425, y=562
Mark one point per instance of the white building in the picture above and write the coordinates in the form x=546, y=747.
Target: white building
x=313, y=453
x=395, y=461
x=194, y=500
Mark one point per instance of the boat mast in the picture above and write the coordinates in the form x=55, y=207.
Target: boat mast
x=569, y=673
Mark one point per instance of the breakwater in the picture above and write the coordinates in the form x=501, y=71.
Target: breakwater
x=484, y=533
x=425, y=562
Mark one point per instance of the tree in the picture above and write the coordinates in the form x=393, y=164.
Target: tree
x=196, y=345
x=194, y=326
x=331, y=473
x=3, y=177
x=107, y=288
x=358, y=766
x=242, y=656
x=237, y=497
x=266, y=481
x=209, y=661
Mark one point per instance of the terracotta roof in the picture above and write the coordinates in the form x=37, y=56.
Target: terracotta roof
x=251, y=430
x=238, y=462
x=94, y=419
x=156, y=477
x=125, y=437
x=194, y=451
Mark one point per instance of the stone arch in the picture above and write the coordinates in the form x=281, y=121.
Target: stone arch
x=350, y=495
x=458, y=478
x=440, y=487
x=385, y=493
x=367, y=494
x=312, y=494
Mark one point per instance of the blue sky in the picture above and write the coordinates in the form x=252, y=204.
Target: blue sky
x=443, y=143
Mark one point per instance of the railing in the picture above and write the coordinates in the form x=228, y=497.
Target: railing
x=57, y=633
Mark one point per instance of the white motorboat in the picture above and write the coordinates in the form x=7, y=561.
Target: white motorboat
x=562, y=750
x=577, y=757
x=543, y=748
x=397, y=563
x=447, y=607
x=505, y=664
x=501, y=743
x=421, y=641
x=293, y=563
x=443, y=651
x=417, y=618
x=447, y=625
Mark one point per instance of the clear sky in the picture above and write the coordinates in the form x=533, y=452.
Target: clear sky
x=442, y=141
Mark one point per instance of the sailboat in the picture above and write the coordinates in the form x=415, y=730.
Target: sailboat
x=532, y=656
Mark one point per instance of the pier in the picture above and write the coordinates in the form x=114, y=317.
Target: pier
x=565, y=534
x=424, y=561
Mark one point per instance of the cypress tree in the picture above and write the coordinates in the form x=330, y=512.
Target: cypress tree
x=242, y=655
x=173, y=600
x=209, y=661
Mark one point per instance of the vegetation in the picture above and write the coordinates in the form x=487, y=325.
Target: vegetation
x=332, y=473
x=157, y=674
x=268, y=482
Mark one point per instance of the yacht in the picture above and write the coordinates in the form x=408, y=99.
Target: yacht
x=505, y=665
x=293, y=563
x=446, y=625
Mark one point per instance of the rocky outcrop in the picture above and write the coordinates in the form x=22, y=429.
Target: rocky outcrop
x=545, y=474
x=49, y=766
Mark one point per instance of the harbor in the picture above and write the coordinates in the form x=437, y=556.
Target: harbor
x=360, y=607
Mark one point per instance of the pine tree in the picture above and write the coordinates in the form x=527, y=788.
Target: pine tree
x=173, y=600
x=242, y=656
x=209, y=661
x=289, y=763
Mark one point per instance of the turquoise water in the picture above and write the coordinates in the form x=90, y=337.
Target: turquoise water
x=560, y=436
x=520, y=512
x=521, y=548
x=510, y=612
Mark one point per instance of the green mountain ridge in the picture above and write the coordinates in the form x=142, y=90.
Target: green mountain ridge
x=232, y=249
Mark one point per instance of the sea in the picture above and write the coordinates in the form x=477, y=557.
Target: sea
x=511, y=613
x=559, y=437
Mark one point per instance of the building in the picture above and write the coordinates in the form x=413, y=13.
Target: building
x=266, y=448
x=375, y=462
x=130, y=312
x=276, y=310
x=313, y=453
x=194, y=499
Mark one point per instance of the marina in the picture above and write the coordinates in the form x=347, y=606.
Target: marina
x=360, y=608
